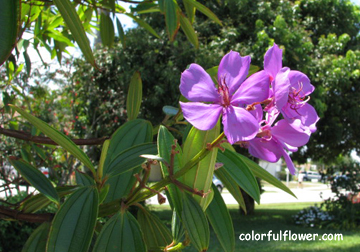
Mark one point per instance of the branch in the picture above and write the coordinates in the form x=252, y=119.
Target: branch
x=45, y=140
x=8, y=213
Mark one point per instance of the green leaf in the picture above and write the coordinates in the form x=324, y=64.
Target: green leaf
x=200, y=176
x=36, y=179
x=107, y=33
x=132, y=133
x=84, y=179
x=240, y=172
x=121, y=32
x=220, y=220
x=231, y=186
x=37, y=240
x=57, y=137
x=177, y=229
x=129, y=159
x=9, y=19
x=104, y=152
x=189, y=31
x=259, y=172
x=120, y=233
x=204, y=10
x=171, y=18
x=121, y=185
x=190, y=11
x=39, y=201
x=74, y=24
x=165, y=142
x=134, y=96
x=143, y=24
x=73, y=225
x=195, y=223
x=156, y=234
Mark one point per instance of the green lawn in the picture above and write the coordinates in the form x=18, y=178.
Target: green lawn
x=276, y=217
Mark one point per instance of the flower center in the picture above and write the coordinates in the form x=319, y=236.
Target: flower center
x=224, y=93
x=297, y=100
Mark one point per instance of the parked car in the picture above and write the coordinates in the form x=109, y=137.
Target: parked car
x=309, y=175
x=219, y=185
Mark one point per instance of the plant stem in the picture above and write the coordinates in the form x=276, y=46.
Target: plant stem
x=143, y=195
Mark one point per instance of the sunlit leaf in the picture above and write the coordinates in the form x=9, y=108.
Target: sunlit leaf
x=171, y=18
x=134, y=96
x=206, y=11
x=143, y=24
x=189, y=30
x=200, y=177
x=121, y=32
x=72, y=20
x=107, y=32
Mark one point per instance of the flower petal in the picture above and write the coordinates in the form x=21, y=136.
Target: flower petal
x=284, y=132
x=265, y=150
x=234, y=69
x=197, y=86
x=289, y=162
x=306, y=114
x=239, y=124
x=273, y=61
x=202, y=116
x=300, y=81
x=254, y=89
x=281, y=88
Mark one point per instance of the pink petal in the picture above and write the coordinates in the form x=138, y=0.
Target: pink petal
x=289, y=162
x=273, y=61
x=239, y=124
x=306, y=114
x=258, y=112
x=234, y=69
x=265, y=150
x=285, y=133
x=202, y=116
x=254, y=89
x=197, y=86
x=281, y=88
x=299, y=81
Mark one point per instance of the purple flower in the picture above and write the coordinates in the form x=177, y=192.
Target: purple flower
x=273, y=142
x=229, y=98
x=289, y=91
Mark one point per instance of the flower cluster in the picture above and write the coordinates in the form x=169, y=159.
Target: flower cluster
x=312, y=217
x=267, y=112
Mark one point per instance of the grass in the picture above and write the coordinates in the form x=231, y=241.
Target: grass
x=275, y=217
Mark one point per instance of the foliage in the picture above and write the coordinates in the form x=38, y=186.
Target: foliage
x=341, y=211
x=14, y=233
x=329, y=55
